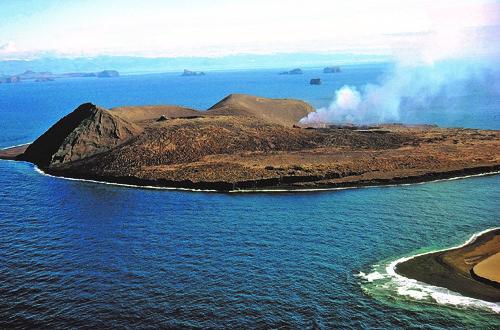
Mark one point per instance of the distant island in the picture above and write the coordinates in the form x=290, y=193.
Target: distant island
x=472, y=270
x=49, y=76
x=331, y=69
x=248, y=142
x=188, y=73
x=107, y=74
x=294, y=71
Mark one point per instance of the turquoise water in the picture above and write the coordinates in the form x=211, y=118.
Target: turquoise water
x=80, y=254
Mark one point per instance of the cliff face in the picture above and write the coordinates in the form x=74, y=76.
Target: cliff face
x=86, y=131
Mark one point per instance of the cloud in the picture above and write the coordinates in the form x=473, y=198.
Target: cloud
x=434, y=68
x=217, y=28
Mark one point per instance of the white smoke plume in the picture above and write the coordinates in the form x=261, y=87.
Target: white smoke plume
x=414, y=83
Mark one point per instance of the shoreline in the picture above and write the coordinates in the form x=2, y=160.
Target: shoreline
x=391, y=270
x=384, y=280
x=284, y=184
x=269, y=190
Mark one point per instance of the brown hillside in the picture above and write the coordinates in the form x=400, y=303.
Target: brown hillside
x=284, y=112
x=181, y=140
x=144, y=114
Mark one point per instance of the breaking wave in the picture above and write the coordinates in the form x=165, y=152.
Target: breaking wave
x=384, y=278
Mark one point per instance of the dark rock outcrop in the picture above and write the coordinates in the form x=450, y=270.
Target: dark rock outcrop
x=86, y=131
x=315, y=81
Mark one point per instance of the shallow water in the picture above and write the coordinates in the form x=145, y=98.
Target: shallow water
x=80, y=254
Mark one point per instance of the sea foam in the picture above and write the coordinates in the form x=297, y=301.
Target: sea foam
x=387, y=277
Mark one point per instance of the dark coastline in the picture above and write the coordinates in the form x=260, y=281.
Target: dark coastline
x=437, y=269
x=289, y=183
x=285, y=183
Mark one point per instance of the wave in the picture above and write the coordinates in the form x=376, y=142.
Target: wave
x=417, y=290
x=37, y=169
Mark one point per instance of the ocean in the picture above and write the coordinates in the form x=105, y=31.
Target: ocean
x=91, y=255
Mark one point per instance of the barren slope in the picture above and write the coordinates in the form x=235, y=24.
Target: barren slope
x=284, y=112
x=145, y=114
x=238, y=153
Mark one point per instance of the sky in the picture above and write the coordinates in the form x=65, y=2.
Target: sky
x=203, y=28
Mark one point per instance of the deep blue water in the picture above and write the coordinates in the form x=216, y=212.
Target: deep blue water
x=79, y=254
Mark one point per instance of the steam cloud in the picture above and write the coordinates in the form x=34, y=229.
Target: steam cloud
x=412, y=84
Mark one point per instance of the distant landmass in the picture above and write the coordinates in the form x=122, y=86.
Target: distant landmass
x=136, y=64
x=188, y=73
x=294, y=71
x=49, y=76
x=250, y=142
x=107, y=74
x=331, y=69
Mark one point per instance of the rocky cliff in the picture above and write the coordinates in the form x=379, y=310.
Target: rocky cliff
x=86, y=131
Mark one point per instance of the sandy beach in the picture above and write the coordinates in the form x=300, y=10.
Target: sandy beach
x=488, y=270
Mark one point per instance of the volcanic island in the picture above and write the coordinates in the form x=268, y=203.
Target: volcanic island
x=246, y=142
x=250, y=143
